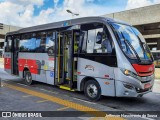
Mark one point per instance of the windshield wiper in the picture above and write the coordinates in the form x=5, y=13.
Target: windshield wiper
x=127, y=42
x=145, y=49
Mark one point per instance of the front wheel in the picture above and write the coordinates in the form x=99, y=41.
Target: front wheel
x=92, y=90
x=28, y=78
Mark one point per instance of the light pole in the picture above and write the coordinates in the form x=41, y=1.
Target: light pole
x=69, y=11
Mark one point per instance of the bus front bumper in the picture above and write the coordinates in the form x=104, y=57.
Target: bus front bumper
x=128, y=90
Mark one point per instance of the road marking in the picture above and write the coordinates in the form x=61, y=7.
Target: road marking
x=148, y=118
x=27, y=96
x=157, y=93
x=66, y=103
x=22, y=84
x=85, y=118
x=6, y=80
x=40, y=101
x=60, y=109
x=84, y=101
x=49, y=91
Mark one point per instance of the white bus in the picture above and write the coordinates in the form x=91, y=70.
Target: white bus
x=97, y=55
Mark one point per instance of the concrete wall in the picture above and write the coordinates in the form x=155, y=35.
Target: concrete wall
x=3, y=30
x=144, y=15
x=8, y=28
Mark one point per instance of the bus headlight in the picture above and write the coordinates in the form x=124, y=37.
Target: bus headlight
x=130, y=73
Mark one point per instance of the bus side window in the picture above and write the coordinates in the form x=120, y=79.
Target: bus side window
x=50, y=43
x=41, y=42
x=97, y=40
x=83, y=42
x=27, y=43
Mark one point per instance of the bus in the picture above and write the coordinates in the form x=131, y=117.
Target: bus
x=156, y=55
x=96, y=55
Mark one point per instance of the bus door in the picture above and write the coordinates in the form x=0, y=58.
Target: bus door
x=66, y=64
x=15, y=55
x=8, y=55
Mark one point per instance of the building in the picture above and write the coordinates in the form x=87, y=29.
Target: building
x=3, y=30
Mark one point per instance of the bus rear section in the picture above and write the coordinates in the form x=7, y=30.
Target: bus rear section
x=96, y=55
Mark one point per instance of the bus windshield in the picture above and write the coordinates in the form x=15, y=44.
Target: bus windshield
x=132, y=42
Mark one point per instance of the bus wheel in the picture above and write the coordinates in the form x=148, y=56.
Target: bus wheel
x=28, y=77
x=92, y=90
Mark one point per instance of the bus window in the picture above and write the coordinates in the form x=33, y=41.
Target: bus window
x=98, y=38
x=50, y=43
x=83, y=41
x=8, y=47
x=28, y=43
x=41, y=42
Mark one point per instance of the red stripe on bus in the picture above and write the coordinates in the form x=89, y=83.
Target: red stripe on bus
x=28, y=63
x=144, y=70
x=7, y=63
x=51, y=59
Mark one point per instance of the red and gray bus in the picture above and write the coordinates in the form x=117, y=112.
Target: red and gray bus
x=97, y=55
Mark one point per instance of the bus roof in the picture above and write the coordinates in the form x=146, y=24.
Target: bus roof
x=65, y=23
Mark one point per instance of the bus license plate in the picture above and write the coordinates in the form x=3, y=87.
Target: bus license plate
x=146, y=86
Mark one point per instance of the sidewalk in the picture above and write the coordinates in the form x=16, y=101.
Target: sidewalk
x=1, y=63
x=157, y=73
x=3, y=74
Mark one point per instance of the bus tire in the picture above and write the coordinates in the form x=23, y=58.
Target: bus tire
x=28, y=78
x=92, y=90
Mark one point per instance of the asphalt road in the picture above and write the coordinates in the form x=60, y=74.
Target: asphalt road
x=149, y=102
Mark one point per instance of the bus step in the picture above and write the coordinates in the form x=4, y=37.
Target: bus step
x=66, y=87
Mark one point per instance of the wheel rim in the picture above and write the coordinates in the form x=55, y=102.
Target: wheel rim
x=28, y=78
x=92, y=90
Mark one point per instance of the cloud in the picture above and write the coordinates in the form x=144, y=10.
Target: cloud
x=21, y=12
x=27, y=2
x=55, y=3
x=131, y=4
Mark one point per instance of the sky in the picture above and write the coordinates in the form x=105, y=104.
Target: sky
x=25, y=13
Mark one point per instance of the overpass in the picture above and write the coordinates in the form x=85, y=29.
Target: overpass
x=3, y=30
x=146, y=20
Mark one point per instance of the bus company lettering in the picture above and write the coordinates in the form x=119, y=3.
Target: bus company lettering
x=89, y=67
x=26, y=115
